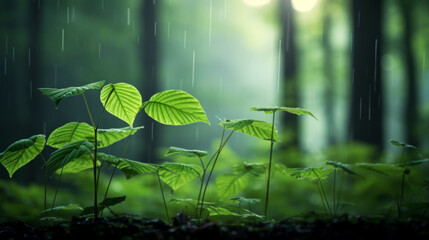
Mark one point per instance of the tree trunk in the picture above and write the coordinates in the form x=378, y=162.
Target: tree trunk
x=366, y=118
x=149, y=53
x=289, y=63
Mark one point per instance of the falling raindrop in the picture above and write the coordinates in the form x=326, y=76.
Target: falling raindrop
x=193, y=68
x=68, y=15
x=151, y=132
x=210, y=25
x=154, y=29
x=360, y=108
x=99, y=50
x=168, y=30
x=128, y=16
x=184, y=39
x=29, y=57
x=62, y=40
x=279, y=66
x=375, y=65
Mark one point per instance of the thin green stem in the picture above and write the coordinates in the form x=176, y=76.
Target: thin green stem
x=58, y=186
x=87, y=108
x=201, y=185
x=323, y=191
x=163, y=197
x=269, y=168
x=94, y=167
x=339, y=191
x=46, y=177
x=222, y=145
x=321, y=197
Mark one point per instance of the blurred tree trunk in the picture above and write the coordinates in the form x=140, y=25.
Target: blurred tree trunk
x=149, y=54
x=411, y=127
x=366, y=117
x=329, y=76
x=290, y=84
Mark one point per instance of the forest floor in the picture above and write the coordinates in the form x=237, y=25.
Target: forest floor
x=182, y=228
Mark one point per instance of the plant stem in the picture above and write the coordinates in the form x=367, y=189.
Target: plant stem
x=95, y=176
x=87, y=108
x=333, y=192
x=339, y=191
x=222, y=145
x=163, y=197
x=201, y=186
x=58, y=186
x=402, y=193
x=321, y=197
x=323, y=191
x=269, y=168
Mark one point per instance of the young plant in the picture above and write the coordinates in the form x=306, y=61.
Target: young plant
x=273, y=110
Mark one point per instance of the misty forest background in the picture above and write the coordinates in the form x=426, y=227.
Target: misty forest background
x=359, y=66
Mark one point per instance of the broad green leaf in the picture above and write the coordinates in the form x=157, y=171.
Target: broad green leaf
x=122, y=100
x=413, y=163
x=108, y=137
x=269, y=110
x=256, y=128
x=236, y=124
x=175, y=107
x=129, y=167
x=70, y=132
x=68, y=153
x=346, y=167
x=176, y=175
x=58, y=94
x=190, y=201
x=22, y=152
x=108, y=202
x=255, y=169
x=64, y=211
x=381, y=168
x=79, y=164
x=401, y=144
x=220, y=211
x=310, y=173
x=230, y=185
x=185, y=152
x=245, y=200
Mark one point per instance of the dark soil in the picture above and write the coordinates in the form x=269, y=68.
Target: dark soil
x=182, y=228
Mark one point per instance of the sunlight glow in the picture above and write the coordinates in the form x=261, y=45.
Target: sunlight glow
x=256, y=3
x=304, y=5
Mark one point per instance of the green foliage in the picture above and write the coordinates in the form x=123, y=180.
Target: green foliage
x=79, y=164
x=401, y=144
x=22, y=152
x=110, y=136
x=230, y=185
x=176, y=175
x=269, y=110
x=129, y=167
x=68, y=153
x=346, y=167
x=381, y=168
x=58, y=94
x=175, y=107
x=255, y=128
x=106, y=203
x=310, y=173
x=122, y=100
x=245, y=200
x=63, y=211
x=221, y=211
x=185, y=152
x=70, y=132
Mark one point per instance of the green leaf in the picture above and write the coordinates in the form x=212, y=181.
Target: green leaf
x=297, y=111
x=68, y=153
x=192, y=202
x=381, y=168
x=176, y=175
x=175, y=107
x=220, y=211
x=129, y=167
x=245, y=200
x=58, y=94
x=79, y=164
x=310, y=173
x=255, y=169
x=229, y=185
x=121, y=100
x=256, y=128
x=236, y=124
x=346, y=167
x=70, y=132
x=108, y=202
x=185, y=152
x=108, y=137
x=413, y=163
x=22, y=152
x=401, y=144
x=64, y=211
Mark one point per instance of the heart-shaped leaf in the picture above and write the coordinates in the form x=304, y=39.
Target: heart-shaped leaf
x=108, y=137
x=58, y=94
x=269, y=110
x=255, y=128
x=22, y=152
x=230, y=185
x=121, y=100
x=129, y=167
x=176, y=175
x=84, y=162
x=70, y=132
x=185, y=152
x=68, y=153
x=175, y=107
